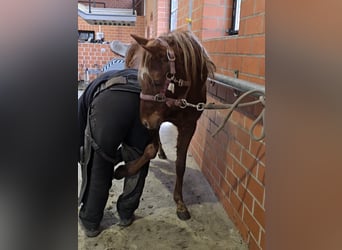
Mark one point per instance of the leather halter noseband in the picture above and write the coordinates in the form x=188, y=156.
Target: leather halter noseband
x=169, y=82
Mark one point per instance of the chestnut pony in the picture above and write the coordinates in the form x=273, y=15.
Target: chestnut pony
x=173, y=71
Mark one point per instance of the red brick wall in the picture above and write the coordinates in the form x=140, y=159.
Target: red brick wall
x=215, y=18
x=233, y=163
x=157, y=17
x=182, y=14
x=163, y=16
x=90, y=54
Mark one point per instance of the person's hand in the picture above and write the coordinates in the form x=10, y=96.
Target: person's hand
x=150, y=151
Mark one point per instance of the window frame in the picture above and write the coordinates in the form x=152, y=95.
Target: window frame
x=173, y=14
x=235, y=24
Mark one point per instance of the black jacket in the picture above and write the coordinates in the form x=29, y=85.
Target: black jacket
x=131, y=85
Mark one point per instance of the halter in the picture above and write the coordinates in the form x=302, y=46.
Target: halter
x=170, y=82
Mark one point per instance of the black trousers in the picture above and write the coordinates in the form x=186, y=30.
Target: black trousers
x=113, y=121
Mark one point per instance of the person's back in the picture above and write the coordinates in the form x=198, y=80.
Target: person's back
x=87, y=96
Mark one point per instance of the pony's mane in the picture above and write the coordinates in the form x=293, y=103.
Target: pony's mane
x=189, y=52
x=132, y=58
x=195, y=57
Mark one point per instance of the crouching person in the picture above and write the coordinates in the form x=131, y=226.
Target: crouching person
x=110, y=132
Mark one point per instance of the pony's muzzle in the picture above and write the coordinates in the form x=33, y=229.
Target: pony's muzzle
x=151, y=123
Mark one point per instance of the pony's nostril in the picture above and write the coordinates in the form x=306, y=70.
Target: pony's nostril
x=145, y=123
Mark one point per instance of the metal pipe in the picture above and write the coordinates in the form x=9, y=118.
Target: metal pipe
x=190, y=15
x=133, y=6
x=238, y=84
x=89, y=7
x=104, y=4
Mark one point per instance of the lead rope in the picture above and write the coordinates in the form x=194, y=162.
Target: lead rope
x=232, y=107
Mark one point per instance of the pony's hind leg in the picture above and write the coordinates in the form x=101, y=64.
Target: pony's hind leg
x=183, y=141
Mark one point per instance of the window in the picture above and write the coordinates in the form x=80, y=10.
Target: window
x=173, y=14
x=86, y=36
x=235, y=18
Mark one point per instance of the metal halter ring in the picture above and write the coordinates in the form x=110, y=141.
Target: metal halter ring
x=200, y=106
x=183, y=103
x=170, y=55
x=159, y=98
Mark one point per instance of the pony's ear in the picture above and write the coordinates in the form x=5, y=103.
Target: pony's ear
x=140, y=40
x=143, y=43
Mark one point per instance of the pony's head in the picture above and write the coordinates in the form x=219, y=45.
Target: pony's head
x=173, y=67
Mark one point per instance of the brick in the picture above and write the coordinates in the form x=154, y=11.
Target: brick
x=229, y=160
x=236, y=63
x=243, y=138
x=254, y=25
x=258, y=150
x=243, y=229
x=234, y=149
x=209, y=23
x=213, y=2
x=239, y=170
x=259, y=6
x=262, y=240
x=213, y=11
x=231, y=179
x=261, y=174
x=249, y=162
x=238, y=118
x=231, y=130
x=253, y=226
x=256, y=189
x=216, y=174
x=247, y=8
x=225, y=187
x=222, y=139
x=253, y=245
x=222, y=166
x=261, y=67
x=258, y=45
x=230, y=45
x=259, y=214
x=210, y=156
x=243, y=45
x=246, y=198
x=237, y=203
x=206, y=34
x=236, y=219
x=250, y=65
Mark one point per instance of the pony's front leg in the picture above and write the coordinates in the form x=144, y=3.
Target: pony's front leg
x=132, y=167
x=183, y=141
x=161, y=152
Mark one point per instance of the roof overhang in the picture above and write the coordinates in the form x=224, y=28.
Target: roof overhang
x=107, y=16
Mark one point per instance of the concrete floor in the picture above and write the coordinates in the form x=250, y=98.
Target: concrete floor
x=156, y=225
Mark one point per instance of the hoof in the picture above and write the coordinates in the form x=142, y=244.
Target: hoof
x=185, y=215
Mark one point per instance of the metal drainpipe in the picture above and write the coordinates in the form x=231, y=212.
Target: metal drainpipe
x=190, y=14
x=89, y=6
